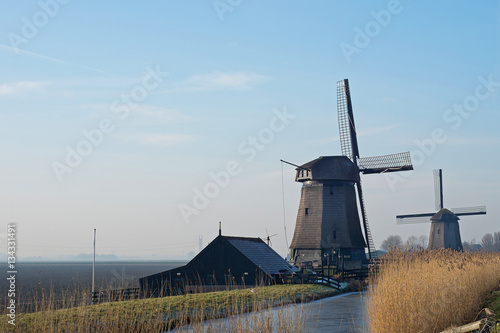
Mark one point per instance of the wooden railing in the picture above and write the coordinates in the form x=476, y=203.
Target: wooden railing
x=324, y=280
x=115, y=295
x=355, y=274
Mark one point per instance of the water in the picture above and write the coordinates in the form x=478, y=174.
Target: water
x=342, y=314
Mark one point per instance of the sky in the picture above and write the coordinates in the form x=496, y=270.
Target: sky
x=153, y=121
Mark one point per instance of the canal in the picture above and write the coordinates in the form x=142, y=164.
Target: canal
x=344, y=313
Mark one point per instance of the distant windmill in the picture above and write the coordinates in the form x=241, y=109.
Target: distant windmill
x=328, y=225
x=445, y=232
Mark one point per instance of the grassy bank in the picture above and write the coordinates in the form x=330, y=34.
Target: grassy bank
x=161, y=314
x=493, y=303
x=430, y=291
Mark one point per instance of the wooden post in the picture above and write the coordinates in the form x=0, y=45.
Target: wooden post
x=93, y=273
x=477, y=325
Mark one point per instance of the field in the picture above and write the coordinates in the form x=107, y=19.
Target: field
x=162, y=314
x=57, y=279
x=430, y=291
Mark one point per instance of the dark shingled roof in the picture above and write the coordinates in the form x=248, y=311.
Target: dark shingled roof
x=444, y=215
x=260, y=254
x=308, y=165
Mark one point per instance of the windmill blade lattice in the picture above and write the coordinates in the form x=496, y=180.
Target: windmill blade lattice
x=347, y=129
x=385, y=163
x=371, y=245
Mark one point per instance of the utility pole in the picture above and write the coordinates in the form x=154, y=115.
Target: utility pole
x=93, y=273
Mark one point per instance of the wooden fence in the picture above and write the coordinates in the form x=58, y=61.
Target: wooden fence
x=115, y=295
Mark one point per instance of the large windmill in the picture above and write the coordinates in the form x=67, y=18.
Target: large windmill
x=445, y=232
x=328, y=227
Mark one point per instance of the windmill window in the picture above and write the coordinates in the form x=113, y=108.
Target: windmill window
x=331, y=190
x=307, y=211
x=334, y=234
x=438, y=231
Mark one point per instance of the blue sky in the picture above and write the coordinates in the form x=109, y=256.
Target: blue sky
x=202, y=79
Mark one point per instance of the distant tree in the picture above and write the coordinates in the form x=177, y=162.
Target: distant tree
x=487, y=243
x=496, y=241
x=412, y=242
x=392, y=241
x=467, y=246
x=471, y=245
x=424, y=241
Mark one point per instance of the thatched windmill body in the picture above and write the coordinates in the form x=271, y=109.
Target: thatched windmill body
x=445, y=231
x=328, y=229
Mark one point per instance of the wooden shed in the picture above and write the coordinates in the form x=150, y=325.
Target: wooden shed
x=226, y=261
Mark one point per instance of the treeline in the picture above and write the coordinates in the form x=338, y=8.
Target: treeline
x=489, y=243
x=396, y=241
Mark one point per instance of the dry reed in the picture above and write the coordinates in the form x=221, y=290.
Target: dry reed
x=430, y=291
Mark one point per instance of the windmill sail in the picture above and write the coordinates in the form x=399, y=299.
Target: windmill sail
x=438, y=189
x=414, y=218
x=347, y=129
x=444, y=219
x=438, y=192
x=424, y=217
x=385, y=163
x=366, y=165
x=371, y=245
x=477, y=210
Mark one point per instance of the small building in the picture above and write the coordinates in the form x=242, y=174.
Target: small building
x=226, y=261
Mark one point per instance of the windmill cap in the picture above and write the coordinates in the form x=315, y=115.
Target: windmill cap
x=445, y=215
x=329, y=168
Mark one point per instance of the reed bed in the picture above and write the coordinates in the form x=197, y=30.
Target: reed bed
x=260, y=309
x=430, y=291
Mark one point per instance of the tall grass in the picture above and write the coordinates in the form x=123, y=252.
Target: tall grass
x=260, y=309
x=430, y=291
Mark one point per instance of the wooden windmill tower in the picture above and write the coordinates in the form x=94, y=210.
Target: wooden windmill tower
x=328, y=229
x=445, y=232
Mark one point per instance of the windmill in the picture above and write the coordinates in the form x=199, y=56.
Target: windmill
x=445, y=232
x=328, y=229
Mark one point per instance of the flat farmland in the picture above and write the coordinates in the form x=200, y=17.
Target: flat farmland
x=36, y=280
